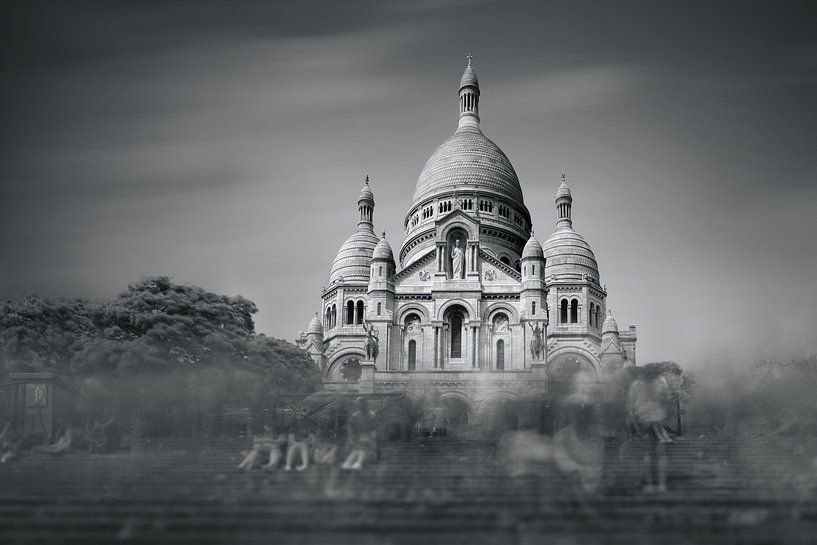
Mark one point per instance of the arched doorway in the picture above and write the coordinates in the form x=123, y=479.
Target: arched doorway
x=455, y=341
x=456, y=412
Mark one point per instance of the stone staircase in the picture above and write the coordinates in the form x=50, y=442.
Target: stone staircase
x=429, y=491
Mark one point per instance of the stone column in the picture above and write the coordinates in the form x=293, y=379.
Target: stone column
x=436, y=345
x=443, y=343
x=478, y=360
x=474, y=353
x=401, y=364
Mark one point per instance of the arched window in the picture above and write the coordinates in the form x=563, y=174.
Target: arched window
x=456, y=335
x=412, y=355
x=500, y=355
x=533, y=270
x=574, y=311
x=591, y=318
x=380, y=271
x=598, y=317
x=379, y=308
x=505, y=260
x=327, y=319
x=563, y=313
x=334, y=315
x=350, y=313
x=533, y=307
x=360, y=312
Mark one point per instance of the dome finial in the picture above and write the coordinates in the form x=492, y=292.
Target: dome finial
x=469, y=97
x=384, y=234
x=564, y=203
x=365, y=206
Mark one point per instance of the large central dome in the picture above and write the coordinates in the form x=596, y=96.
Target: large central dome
x=468, y=173
x=468, y=161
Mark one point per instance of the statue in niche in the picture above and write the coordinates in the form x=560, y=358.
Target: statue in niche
x=457, y=257
x=537, y=343
x=501, y=324
x=413, y=326
x=372, y=342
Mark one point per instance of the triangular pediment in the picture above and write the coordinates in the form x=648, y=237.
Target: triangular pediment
x=457, y=215
x=502, y=271
x=418, y=273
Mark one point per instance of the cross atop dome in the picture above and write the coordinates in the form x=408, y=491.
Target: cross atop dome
x=470, y=57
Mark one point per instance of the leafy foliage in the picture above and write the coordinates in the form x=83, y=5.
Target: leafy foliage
x=186, y=352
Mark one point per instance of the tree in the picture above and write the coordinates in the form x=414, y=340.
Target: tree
x=186, y=352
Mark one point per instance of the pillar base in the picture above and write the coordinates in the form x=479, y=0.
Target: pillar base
x=366, y=381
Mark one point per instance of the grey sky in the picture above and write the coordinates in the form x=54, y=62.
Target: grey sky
x=224, y=144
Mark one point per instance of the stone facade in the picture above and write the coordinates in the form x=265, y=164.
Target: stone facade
x=478, y=310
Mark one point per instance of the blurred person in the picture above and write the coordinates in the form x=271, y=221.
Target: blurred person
x=524, y=453
x=262, y=444
x=647, y=399
x=325, y=450
x=362, y=437
x=578, y=447
x=299, y=442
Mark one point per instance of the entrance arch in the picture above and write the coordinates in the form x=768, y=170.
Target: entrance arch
x=456, y=411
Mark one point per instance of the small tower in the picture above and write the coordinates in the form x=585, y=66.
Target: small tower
x=365, y=205
x=312, y=341
x=564, y=204
x=381, y=282
x=469, y=97
x=611, y=355
x=533, y=296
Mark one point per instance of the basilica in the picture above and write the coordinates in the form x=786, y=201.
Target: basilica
x=472, y=305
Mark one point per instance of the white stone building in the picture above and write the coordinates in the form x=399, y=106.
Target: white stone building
x=477, y=309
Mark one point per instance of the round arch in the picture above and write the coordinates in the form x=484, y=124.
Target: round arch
x=333, y=367
x=584, y=355
x=458, y=408
x=495, y=308
x=454, y=226
x=412, y=308
x=457, y=302
x=499, y=396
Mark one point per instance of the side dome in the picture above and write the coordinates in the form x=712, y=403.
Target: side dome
x=567, y=254
x=610, y=325
x=354, y=257
x=466, y=161
x=383, y=250
x=533, y=249
x=315, y=327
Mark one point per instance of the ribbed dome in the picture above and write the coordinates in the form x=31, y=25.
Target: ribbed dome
x=563, y=190
x=366, y=193
x=469, y=77
x=610, y=325
x=568, y=254
x=354, y=257
x=315, y=326
x=468, y=160
x=533, y=249
x=383, y=250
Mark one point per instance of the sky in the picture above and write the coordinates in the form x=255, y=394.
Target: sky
x=224, y=144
